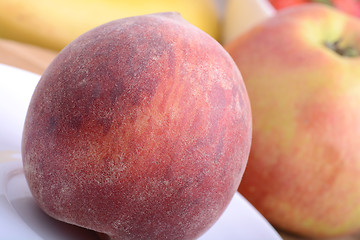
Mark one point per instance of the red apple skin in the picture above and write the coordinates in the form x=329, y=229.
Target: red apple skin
x=303, y=172
x=139, y=129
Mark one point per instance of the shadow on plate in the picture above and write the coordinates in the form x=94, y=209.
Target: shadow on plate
x=47, y=227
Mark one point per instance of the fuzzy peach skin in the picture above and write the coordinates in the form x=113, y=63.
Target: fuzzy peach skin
x=303, y=172
x=139, y=129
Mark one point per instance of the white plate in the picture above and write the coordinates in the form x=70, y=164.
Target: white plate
x=20, y=218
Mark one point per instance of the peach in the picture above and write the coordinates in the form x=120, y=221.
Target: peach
x=139, y=129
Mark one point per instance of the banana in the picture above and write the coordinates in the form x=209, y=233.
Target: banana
x=55, y=23
x=241, y=15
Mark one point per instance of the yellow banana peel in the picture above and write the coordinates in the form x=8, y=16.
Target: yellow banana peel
x=241, y=15
x=55, y=23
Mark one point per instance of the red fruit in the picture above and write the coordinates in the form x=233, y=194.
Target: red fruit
x=280, y=4
x=139, y=129
x=351, y=7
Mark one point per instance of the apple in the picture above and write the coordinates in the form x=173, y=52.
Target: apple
x=301, y=70
x=241, y=15
x=139, y=129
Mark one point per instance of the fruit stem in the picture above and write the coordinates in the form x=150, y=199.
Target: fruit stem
x=342, y=51
x=327, y=2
